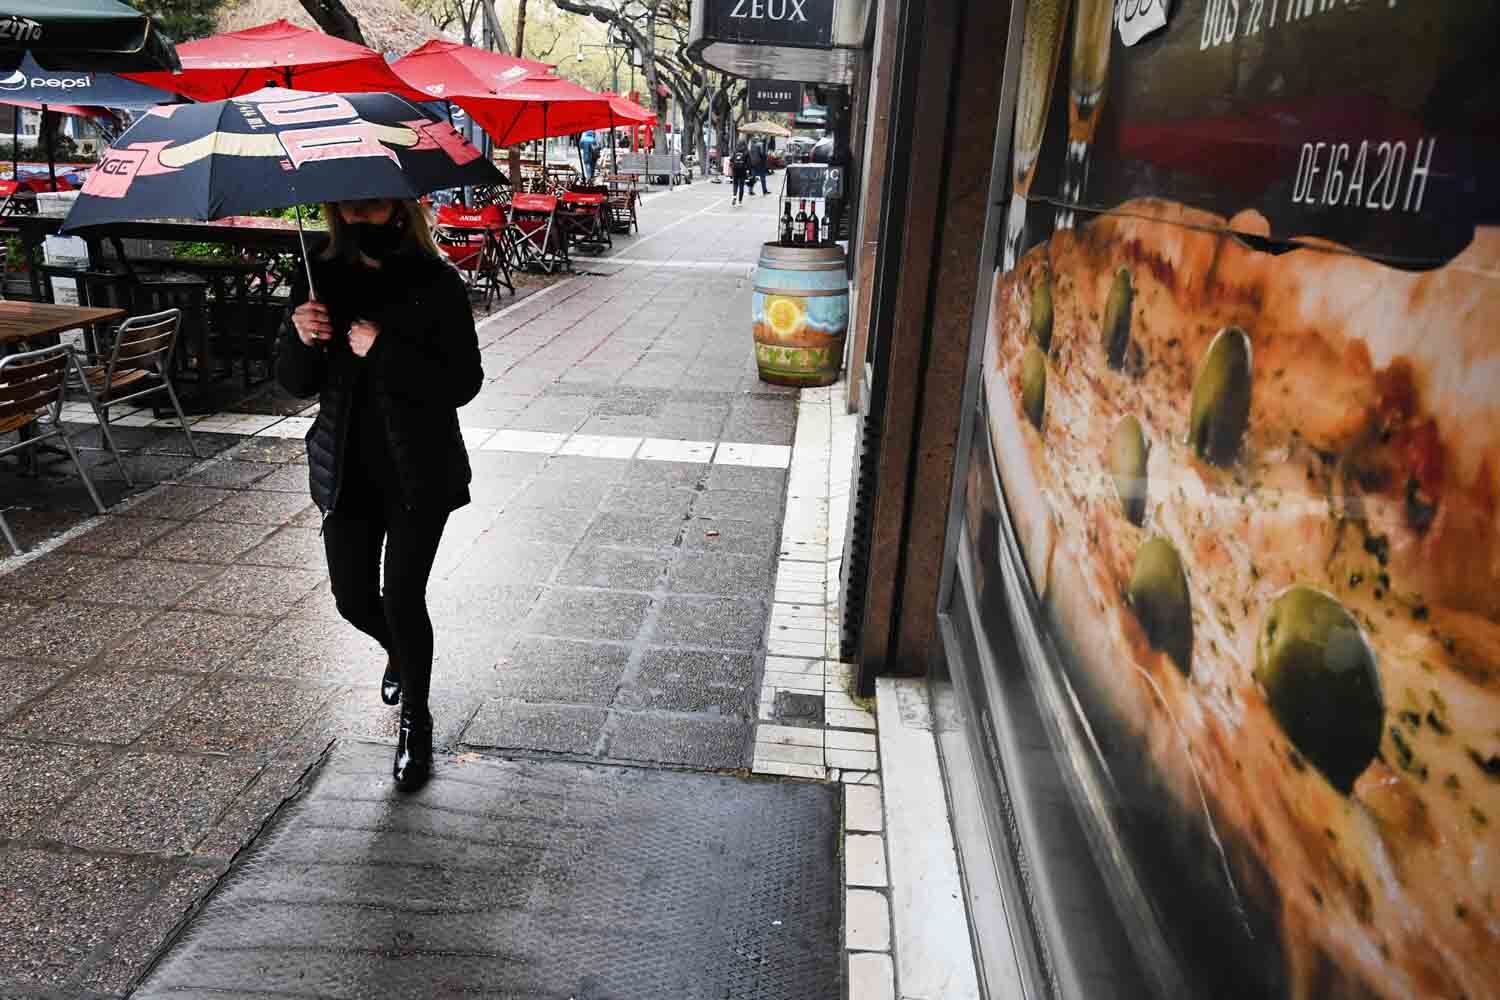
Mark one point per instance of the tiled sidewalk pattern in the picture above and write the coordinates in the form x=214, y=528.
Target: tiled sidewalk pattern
x=173, y=668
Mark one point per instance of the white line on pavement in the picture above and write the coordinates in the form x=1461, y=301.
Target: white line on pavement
x=670, y=226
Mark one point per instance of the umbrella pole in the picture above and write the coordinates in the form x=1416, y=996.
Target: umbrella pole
x=312, y=293
x=15, y=144
x=614, y=154
x=51, y=153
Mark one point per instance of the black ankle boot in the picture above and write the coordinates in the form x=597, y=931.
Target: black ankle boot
x=390, y=684
x=413, y=764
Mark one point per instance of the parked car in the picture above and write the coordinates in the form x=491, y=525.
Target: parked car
x=797, y=149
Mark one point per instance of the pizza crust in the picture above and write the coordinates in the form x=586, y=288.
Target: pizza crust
x=1391, y=890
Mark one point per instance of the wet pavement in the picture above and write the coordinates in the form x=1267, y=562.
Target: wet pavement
x=175, y=670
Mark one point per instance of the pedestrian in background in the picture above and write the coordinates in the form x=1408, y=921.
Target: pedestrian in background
x=589, y=149
x=387, y=343
x=758, y=166
x=739, y=171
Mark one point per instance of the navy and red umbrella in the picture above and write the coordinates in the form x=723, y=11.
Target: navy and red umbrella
x=272, y=149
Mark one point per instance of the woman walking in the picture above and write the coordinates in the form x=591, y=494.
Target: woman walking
x=387, y=343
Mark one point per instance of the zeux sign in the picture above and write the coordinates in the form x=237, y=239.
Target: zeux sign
x=806, y=23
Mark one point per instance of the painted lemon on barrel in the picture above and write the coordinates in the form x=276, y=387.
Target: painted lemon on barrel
x=800, y=312
x=785, y=315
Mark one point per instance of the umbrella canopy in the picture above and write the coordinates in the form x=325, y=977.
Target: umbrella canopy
x=446, y=70
x=765, y=128
x=30, y=85
x=536, y=107
x=272, y=149
x=82, y=34
x=277, y=54
x=627, y=112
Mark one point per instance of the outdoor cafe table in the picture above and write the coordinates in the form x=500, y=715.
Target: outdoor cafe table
x=247, y=233
x=21, y=322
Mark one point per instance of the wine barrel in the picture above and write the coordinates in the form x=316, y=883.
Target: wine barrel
x=800, y=312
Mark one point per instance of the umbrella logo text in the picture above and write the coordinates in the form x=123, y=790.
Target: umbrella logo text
x=20, y=29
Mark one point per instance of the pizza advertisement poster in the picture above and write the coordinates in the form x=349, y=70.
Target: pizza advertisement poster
x=1246, y=427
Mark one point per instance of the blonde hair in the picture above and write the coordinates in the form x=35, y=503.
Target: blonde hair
x=416, y=229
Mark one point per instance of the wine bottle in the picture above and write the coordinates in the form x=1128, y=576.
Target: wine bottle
x=786, y=223
x=827, y=225
x=812, y=224
x=799, y=233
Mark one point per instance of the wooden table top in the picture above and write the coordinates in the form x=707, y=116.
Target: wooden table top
x=21, y=321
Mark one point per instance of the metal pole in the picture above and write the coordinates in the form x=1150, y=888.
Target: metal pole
x=51, y=153
x=312, y=294
x=614, y=153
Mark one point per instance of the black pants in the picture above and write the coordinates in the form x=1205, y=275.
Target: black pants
x=397, y=617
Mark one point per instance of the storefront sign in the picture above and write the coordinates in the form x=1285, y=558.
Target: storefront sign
x=806, y=23
x=774, y=95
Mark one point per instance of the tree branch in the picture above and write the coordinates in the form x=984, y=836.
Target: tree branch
x=334, y=19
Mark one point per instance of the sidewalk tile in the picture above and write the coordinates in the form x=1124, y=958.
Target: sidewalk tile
x=39, y=779
x=668, y=450
x=864, y=860
x=518, y=725
x=104, y=708
x=862, y=809
x=871, y=976
x=538, y=442
x=867, y=918
x=600, y=446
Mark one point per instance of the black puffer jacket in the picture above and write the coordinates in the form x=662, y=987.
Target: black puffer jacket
x=424, y=366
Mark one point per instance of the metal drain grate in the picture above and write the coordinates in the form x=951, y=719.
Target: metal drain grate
x=526, y=879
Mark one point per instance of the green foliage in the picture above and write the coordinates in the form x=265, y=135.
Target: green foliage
x=311, y=214
x=214, y=251
x=15, y=257
x=182, y=20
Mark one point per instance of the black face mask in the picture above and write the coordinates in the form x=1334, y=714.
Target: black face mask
x=376, y=242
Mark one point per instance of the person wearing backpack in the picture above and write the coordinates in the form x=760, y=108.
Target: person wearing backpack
x=758, y=166
x=739, y=171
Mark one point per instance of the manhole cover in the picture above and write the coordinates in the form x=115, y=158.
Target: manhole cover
x=526, y=878
x=793, y=706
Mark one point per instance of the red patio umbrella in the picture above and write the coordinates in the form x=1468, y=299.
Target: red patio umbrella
x=280, y=54
x=514, y=100
x=443, y=70
x=624, y=111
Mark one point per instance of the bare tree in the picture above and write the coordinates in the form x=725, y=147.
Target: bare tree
x=515, y=151
x=639, y=21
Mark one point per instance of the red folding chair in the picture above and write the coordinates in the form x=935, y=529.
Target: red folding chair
x=535, y=238
x=580, y=215
x=474, y=240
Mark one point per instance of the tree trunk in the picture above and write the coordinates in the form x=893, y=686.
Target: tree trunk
x=334, y=19
x=515, y=151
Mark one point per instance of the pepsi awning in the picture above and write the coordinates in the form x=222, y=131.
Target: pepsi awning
x=30, y=83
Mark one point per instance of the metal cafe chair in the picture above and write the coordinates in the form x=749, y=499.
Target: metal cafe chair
x=581, y=217
x=534, y=237
x=31, y=385
x=623, y=196
x=140, y=363
x=473, y=241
